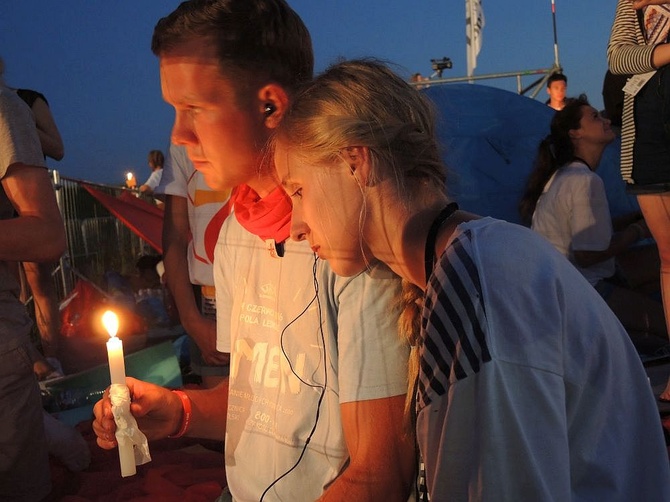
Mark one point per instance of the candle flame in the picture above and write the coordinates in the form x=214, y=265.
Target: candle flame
x=130, y=176
x=111, y=322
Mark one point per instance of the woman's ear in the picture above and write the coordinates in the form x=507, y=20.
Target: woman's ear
x=358, y=160
x=273, y=102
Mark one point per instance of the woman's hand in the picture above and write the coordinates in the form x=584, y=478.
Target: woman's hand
x=638, y=4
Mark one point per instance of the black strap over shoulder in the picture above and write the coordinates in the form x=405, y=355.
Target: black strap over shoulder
x=429, y=255
x=30, y=96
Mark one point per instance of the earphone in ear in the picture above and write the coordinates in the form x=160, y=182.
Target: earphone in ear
x=269, y=109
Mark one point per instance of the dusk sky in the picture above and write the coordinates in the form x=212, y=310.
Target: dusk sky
x=92, y=59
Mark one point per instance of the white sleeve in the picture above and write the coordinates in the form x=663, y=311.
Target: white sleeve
x=176, y=172
x=487, y=424
x=224, y=299
x=19, y=141
x=501, y=434
x=590, y=221
x=372, y=358
x=154, y=180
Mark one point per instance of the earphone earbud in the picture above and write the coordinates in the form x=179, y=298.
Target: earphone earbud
x=269, y=109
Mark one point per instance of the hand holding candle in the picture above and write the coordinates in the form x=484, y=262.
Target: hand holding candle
x=127, y=433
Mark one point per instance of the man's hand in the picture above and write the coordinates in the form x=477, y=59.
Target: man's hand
x=203, y=331
x=158, y=412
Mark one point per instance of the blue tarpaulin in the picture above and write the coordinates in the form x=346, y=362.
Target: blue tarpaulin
x=490, y=138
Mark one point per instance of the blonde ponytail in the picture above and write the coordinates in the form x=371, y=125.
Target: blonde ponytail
x=409, y=328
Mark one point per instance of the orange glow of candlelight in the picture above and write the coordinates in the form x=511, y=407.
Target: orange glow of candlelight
x=111, y=322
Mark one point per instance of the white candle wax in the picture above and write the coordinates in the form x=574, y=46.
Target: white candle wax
x=127, y=460
x=117, y=374
x=117, y=368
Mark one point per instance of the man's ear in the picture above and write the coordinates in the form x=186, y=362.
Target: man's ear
x=358, y=160
x=273, y=102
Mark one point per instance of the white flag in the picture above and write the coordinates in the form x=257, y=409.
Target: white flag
x=474, y=23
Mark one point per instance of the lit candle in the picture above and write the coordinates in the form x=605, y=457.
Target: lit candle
x=117, y=369
x=130, y=180
x=117, y=374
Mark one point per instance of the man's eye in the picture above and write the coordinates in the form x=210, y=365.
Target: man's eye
x=297, y=193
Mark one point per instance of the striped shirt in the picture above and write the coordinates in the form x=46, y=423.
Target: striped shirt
x=453, y=308
x=524, y=371
x=628, y=52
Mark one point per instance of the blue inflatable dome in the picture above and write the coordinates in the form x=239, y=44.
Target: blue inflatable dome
x=490, y=138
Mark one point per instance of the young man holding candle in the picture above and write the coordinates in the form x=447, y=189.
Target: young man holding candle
x=36, y=235
x=313, y=407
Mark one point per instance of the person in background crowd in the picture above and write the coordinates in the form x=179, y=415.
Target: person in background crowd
x=638, y=46
x=557, y=87
x=36, y=278
x=194, y=214
x=565, y=202
x=31, y=229
x=156, y=160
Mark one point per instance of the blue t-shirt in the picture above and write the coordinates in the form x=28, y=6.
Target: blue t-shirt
x=530, y=388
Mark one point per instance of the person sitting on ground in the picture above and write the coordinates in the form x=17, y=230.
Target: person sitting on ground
x=565, y=201
x=149, y=291
x=557, y=86
x=528, y=387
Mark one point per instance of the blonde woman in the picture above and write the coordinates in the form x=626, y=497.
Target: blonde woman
x=528, y=387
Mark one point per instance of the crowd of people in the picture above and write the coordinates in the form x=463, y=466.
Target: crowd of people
x=358, y=335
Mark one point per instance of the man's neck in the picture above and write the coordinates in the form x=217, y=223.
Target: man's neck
x=264, y=184
x=557, y=104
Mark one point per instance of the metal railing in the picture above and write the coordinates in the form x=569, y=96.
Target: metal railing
x=97, y=242
x=536, y=86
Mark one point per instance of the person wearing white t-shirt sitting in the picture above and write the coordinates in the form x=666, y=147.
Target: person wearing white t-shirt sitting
x=565, y=201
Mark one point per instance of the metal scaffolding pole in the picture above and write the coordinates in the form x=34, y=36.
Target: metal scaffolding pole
x=535, y=86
